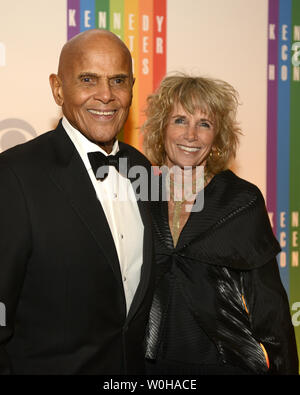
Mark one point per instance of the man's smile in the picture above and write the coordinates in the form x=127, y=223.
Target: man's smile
x=101, y=114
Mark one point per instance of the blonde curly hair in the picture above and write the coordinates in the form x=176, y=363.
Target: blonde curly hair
x=216, y=98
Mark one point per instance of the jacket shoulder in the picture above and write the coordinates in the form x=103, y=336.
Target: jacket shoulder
x=137, y=156
x=240, y=188
x=30, y=150
x=240, y=236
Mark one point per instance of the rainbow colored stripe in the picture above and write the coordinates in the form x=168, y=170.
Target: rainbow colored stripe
x=283, y=143
x=141, y=24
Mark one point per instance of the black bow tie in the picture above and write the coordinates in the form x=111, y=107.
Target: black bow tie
x=100, y=163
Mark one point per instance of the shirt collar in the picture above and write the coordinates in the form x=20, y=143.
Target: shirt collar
x=84, y=145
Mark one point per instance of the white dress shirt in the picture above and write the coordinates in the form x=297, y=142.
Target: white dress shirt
x=120, y=207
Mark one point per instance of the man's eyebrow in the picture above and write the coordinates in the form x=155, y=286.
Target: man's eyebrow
x=95, y=75
x=88, y=74
x=118, y=76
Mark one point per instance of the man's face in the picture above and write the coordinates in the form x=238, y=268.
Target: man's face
x=96, y=90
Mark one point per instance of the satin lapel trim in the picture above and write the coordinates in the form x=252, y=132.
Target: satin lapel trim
x=144, y=208
x=73, y=180
x=147, y=260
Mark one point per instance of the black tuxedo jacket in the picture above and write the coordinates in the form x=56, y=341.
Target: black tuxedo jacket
x=60, y=278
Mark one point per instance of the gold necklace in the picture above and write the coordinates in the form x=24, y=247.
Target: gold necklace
x=176, y=221
x=175, y=230
x=177, y=211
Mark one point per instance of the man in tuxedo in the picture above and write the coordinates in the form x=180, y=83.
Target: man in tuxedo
x=75, y=260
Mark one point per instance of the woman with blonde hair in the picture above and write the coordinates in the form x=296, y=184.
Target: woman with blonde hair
x=219, y=305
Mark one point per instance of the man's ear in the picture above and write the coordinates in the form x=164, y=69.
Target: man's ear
x=56, y=86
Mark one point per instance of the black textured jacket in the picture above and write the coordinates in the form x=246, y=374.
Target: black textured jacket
x=225, y=275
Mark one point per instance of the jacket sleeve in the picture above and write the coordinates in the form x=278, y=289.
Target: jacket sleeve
x=15, y=242
x=270, y=317
x=269, y=309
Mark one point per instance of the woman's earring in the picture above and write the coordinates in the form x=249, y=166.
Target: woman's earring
x=215, y=152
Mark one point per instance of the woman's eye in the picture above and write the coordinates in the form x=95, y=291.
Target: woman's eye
x=205, y=124
x=179, y=120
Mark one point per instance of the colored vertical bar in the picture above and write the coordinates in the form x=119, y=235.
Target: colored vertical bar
x=73, y=18
x=116, y=24
x=272, y=109
x=159, y=41
x=102, y=14
x=146, y=59
x=294, y=171
x=131, y=31
x=87, y=15
x=283, y=138
x=116, y=15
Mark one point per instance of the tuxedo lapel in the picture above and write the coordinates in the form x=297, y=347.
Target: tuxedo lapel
x=70, y=175
x=144, y=209
x=147, y=260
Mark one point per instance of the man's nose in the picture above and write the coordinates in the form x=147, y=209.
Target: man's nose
x=104, y=91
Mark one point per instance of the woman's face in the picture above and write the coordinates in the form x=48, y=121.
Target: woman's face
x=188, y=138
